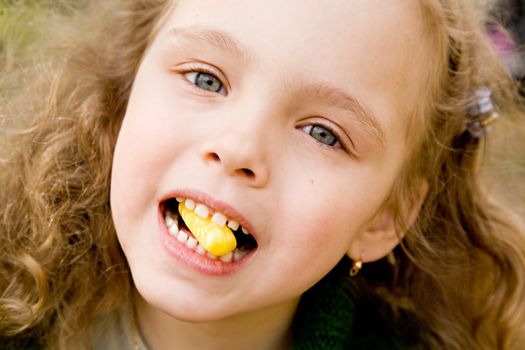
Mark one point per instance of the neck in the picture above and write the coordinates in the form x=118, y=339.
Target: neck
x=258, y=330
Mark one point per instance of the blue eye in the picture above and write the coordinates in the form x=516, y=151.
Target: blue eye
x=321, y=134
x=206, y=81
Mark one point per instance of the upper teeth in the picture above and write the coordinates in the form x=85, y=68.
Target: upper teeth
x=219, y=219
x=189, y=204
x=203, y=211
x=234, y=225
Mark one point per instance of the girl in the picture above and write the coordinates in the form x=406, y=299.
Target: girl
x=203, y=174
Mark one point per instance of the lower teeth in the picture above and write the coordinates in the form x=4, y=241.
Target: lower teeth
x=193, y=244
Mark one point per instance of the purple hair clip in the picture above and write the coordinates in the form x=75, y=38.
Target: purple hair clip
x=482, y=112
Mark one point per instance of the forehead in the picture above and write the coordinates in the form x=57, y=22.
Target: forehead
x=374, y=49
x=321, y=28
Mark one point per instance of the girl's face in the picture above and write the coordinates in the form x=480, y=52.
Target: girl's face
x=287, y=116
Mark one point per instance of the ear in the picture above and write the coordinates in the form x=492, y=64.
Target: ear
x=381, y=235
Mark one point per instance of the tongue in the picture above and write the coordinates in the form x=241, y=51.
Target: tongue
x=218, y=240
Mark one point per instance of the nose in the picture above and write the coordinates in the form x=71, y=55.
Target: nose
x=240, y=154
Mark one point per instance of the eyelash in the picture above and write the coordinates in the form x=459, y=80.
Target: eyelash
x=337, y=144
x=202, y=70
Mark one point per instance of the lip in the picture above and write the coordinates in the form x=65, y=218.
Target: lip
x=189, y=257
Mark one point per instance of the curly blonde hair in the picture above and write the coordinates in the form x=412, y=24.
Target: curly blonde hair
x=460, y=270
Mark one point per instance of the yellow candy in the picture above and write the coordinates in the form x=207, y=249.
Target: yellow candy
x=212, y=237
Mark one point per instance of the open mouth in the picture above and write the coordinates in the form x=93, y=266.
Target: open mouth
x=207, y=232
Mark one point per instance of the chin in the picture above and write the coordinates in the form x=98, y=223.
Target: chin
x=182, y=303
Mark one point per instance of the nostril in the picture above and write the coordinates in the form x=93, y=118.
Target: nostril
x=214, y=157
x=230, y=166
x=247, y=172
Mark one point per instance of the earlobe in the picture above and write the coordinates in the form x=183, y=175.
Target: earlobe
x=383, y=233
x=376, y=240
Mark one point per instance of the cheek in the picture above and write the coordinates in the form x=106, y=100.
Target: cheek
x=327, y=230
x=131, y=159
x=310, y=241
x=324, y=213
x=138, y=165
x=315, y=224
x=148, y=139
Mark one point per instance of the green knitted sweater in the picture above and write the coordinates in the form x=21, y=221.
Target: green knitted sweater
x=332, y=316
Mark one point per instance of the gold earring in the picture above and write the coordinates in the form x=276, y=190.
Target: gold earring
x=356, y=267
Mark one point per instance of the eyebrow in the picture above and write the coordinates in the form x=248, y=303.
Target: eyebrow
x=341, y=99
x=223, y=41
x=211, y=38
